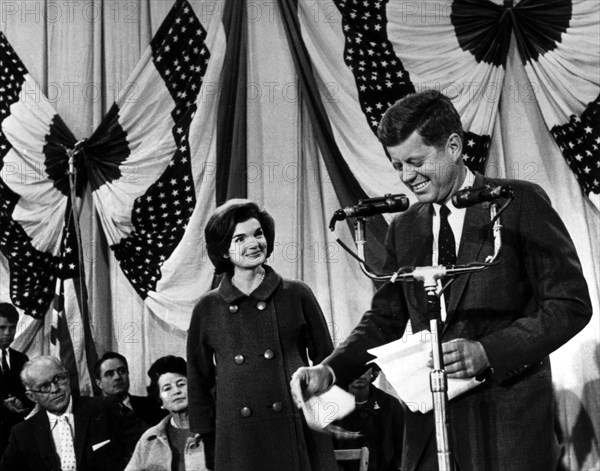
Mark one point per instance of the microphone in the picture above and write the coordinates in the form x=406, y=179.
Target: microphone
x=372, y=206
x=470, y=196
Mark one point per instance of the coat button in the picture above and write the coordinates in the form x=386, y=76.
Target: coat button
x=277, y=406
x=269, y=354
x=233, y=309
x=239, y=359
x=246, y=412
x=261, y=306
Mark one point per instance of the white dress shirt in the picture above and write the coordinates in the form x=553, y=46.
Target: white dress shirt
x=53, y=418
x=456, y=219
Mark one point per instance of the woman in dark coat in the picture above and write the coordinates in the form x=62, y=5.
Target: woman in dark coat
x=247, y=337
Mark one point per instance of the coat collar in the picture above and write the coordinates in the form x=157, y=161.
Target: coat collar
x=160, y=429
x=229, y=293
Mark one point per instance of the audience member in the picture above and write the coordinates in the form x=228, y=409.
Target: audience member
x=112, y=377
x=259, y=327
x=67, y=433
x=15, y=405
x=170, y=445
x=379, y=421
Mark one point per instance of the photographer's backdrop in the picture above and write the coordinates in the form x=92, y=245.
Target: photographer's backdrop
x=125, y=122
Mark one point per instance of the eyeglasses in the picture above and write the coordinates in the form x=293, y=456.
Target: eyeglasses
x=46, y=387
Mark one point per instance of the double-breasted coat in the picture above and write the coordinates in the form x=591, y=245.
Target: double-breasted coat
x=249, y=346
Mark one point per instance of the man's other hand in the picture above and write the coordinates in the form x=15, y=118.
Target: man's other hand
x=463, y=358
x=15, y=405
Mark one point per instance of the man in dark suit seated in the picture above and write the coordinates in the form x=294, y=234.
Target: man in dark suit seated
x=500, y=324
x=112, y=377
x=15, y=405
x=67, y=433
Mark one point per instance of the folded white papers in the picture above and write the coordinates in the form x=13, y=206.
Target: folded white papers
x=320, y=411
x=404, y=363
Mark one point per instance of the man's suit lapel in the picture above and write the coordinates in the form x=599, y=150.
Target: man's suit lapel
x=81, y=419
x=44, y=441
x=476, y=230
x=17, y=360
x=419, y=238
x=414, y=249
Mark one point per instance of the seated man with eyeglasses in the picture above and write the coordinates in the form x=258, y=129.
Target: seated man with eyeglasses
x=67, y=433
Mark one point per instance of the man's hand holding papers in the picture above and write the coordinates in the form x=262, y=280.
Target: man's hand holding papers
x=405, y=365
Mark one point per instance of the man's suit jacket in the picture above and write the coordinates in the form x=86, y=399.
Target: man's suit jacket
x=529, y=304
x=11, y=386
x=104, y=439
x=147, y=410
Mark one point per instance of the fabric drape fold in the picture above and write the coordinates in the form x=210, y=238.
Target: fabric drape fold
x=543, y=33
x=347, y=189
x=105, y=150
x=231, y=126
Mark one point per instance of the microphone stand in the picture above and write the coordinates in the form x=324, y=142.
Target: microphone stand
x=438, y=380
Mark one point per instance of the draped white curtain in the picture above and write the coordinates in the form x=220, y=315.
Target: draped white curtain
x=81, y=54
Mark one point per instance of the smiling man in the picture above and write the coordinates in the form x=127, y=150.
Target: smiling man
x=500, y=324
x=67, y=433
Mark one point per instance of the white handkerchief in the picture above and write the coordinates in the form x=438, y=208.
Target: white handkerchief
x=320, y=411
x=100, y=445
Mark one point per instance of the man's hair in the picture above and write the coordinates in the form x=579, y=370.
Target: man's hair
x=430, y=113
x=26, y=378
x=108, y=356
x=164, y=365
x=221, y=225
x=9, y=312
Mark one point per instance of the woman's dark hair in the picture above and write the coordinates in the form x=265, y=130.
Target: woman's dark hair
x=431, y=113
x=166, y=364
x=221, y=224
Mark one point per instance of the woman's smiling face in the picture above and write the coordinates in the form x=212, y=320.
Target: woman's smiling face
x=248, y=247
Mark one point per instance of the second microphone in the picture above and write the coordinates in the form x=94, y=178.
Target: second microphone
x=373, y=206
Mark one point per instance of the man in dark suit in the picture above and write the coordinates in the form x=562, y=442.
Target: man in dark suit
x=500, y=324
x=112, y=377
x=15, y=405
x=67, y=433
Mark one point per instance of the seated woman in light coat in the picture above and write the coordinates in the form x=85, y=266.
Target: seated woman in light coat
x=169, y=445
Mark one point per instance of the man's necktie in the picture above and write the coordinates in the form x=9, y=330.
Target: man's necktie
x=446, y=246
x=5, y=369
x=67, y=450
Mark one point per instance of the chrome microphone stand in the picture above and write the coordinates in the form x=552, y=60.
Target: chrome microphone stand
x=429, y=276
